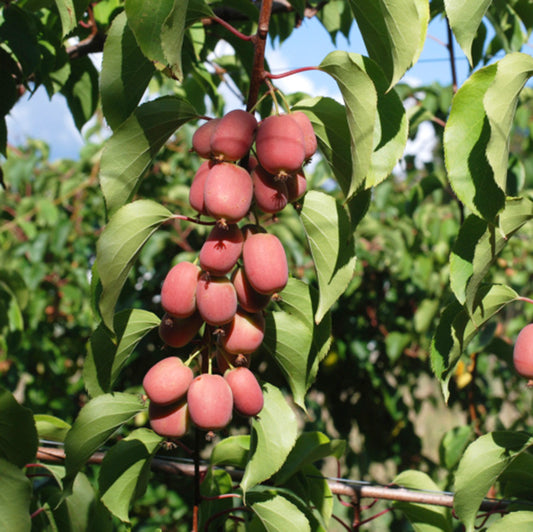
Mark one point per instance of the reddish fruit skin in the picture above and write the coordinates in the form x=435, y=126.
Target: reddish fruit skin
x=280, y=145
x=210, y=402
x=216, y=299
x=310, y=142
x=245, y=333
x=248, y=298
x=265, y=263
x=177, y=332
x=296, y=186
x=270, y=195
x=228, y=192
x=233, y=136
x=222, y=249
x=196, y=192
x=178, y=292
x=247, y=394
x=201, y=140
x=523, y=352
x=171, y=421
x=167, y=381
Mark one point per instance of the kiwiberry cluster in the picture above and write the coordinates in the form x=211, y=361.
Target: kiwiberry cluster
x=240, y=268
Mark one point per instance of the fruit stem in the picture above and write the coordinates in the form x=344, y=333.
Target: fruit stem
x=192, y=357
x=233, y=30
x=189, y=219
x=525, y=299
x=269, y=75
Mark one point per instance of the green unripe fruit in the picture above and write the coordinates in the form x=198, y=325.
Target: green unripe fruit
x=210, y=402
x=265, y=263
x=178, y=292
x=270, y=195
x=228, y=192
x=216, y=299
x=167, y=381
x=178, y=332
x=171, y=421
x=233, y=136
x=222, y=249
x=245, y=333
x=523, y=352
x=201, y=140
x=280, y=145
x=247, y=393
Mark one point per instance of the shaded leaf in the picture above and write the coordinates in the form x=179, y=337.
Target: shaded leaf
x=118, y=246
x=125, y=73
x=423, y=517
x=464, y=19
x=125, y=471
x=67, y=14
x=18, y=435
x=107, y=355
x=50, y=427
x=500, y=101
x=232, y=451
x=328, y=230
x=275, y=418
x=96, y=422
x=483, y=462
x=466, y=137
x=15, y=498
x=393, y=32
x=135, y=143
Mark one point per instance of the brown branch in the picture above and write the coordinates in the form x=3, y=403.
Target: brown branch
x=349, y=489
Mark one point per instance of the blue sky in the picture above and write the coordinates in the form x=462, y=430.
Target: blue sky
x=38, y=117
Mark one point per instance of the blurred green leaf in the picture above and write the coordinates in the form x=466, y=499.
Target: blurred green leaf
x=15, y=499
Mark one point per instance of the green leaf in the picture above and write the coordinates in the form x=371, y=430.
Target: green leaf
x=478, y=245
x=135, y=143
x=273, y=513
x=483, y=462
x=96, y=422
x=310, y=447
x=125, y=471
x=360, y=98
x=393, y=32
x=464, y=19
x=423, y=518
x=232, y=451
x=67, y=14
x=333, y=135
x=328, y=230
x=81, y=90
x=268, y=454
x=159, y=27
x=293, y=340
x=517, y=479
x=453, y=444
x=15, y=498
x=18, y=435
x=50, y=427
x=456, y=328
x=466, y=137
x=125, y=73
x=515, y=521
x=107, y=356
x=376, y=118
x=500, y=101
x=118, y=246
x=216, y=482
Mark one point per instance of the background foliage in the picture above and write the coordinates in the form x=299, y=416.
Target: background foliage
x=435, y=269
